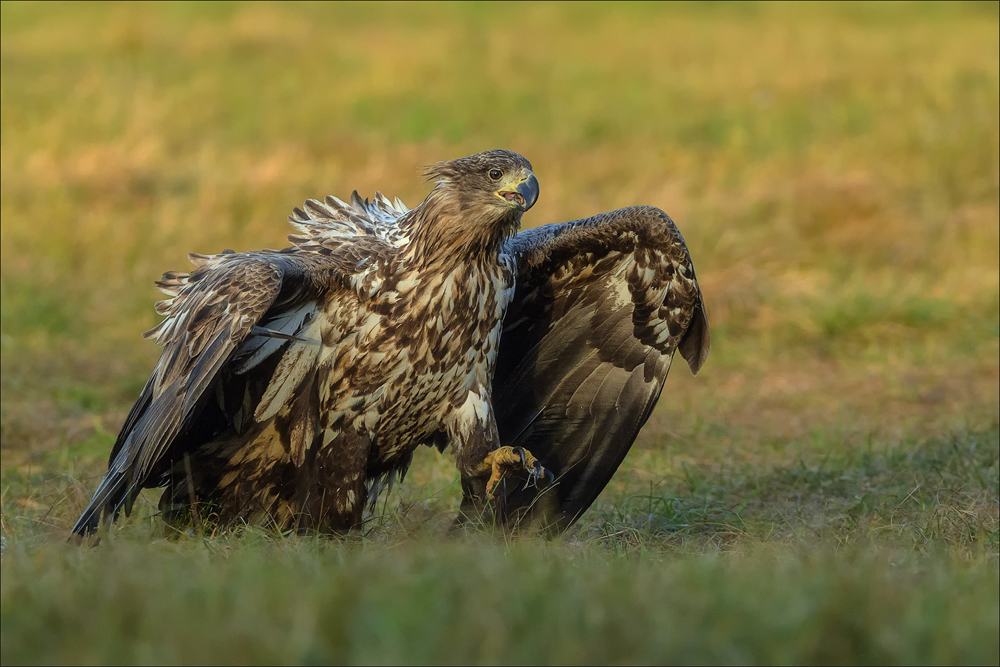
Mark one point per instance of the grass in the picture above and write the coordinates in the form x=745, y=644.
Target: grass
x=825, y=491
x=597, y=608
x=881, y=558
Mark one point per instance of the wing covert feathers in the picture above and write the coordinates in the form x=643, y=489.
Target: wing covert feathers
x=334, y=221
x=600, y=307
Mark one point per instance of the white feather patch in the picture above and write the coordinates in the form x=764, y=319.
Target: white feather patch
x=297, y=361
x=474, y=413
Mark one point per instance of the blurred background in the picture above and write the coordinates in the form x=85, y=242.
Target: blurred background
x=833, y=168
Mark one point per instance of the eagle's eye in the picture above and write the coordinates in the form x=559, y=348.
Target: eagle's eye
x=495, y=174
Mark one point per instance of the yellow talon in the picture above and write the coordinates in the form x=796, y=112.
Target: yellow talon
x=507, y=459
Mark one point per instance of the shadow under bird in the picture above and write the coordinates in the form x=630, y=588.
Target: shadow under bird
x=294, y=385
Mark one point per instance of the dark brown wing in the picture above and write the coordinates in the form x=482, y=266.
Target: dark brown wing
x=213, y=311
x=600, y=307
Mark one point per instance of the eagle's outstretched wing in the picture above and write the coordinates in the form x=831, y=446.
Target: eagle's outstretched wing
x=240, y=309
x=600, y=307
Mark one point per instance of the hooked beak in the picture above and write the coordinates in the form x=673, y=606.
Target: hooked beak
x=523, y=193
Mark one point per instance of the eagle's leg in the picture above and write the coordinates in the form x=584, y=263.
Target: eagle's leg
x=482, y=461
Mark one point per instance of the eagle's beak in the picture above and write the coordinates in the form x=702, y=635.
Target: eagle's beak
x=529, y=191
x=523, y=193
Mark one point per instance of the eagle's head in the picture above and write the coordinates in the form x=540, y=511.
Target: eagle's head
x=476, y=204
x=496, y=185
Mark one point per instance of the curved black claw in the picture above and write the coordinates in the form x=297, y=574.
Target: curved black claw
x=520, y=453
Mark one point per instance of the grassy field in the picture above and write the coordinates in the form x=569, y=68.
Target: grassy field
x=826, y=491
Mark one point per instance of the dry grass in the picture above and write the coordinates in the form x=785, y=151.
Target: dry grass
x=835, y=171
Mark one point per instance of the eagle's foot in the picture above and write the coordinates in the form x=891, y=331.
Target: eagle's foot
x=505, y=460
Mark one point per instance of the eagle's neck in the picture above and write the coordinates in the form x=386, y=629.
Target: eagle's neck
x=445, y=233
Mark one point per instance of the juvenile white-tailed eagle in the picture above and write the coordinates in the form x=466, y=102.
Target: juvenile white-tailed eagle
x=293, y=384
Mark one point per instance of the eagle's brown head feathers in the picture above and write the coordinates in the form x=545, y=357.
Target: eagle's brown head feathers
x=476, y=204
x=498, y=181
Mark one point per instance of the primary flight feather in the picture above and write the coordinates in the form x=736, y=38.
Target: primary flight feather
x=294, y=384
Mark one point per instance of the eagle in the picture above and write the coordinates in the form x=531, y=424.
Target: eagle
x=294, y=385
